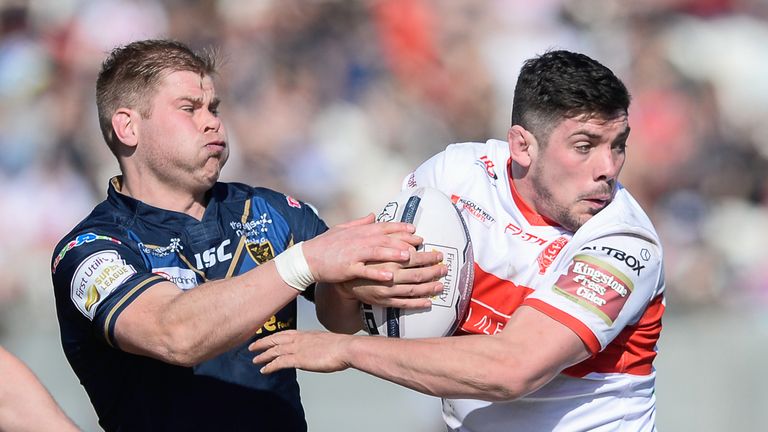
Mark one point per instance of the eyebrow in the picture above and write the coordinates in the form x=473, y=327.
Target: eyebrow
x=624, y=135
x=591, y=135
x=198, y=101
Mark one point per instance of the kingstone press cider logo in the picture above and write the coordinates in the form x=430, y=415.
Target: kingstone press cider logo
x=596, y=285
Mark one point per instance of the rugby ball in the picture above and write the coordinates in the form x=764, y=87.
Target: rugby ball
x=441, y=226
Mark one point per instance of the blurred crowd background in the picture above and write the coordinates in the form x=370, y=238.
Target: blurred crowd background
x=336, y=101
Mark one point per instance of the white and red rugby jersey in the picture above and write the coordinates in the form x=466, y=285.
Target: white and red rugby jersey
x=605, y=282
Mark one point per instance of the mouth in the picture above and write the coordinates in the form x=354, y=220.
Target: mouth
x=598, y=202
x=216, y=146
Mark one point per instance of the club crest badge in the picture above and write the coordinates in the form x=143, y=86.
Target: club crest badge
x=261, y=252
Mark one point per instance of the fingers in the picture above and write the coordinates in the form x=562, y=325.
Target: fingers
x=425, y=258
x=420, y=275
x=271, y=341
x=395, y=227
x=407, y=238
x=367, y=223
x=365, y=220
x=407, y=296
x=274, y=355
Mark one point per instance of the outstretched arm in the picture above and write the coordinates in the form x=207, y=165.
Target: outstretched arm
x=25, y=405
x=530, y=351
x=187, y=327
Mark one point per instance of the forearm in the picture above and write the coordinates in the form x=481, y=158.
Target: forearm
x=477, y=366
x=189, y=327
x=25, y=405
x=337, y=311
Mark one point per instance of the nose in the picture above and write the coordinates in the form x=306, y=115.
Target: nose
x=210, y=121
x=607, y=164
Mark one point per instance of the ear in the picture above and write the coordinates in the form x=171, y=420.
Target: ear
x=522, y=145
x=124, y=124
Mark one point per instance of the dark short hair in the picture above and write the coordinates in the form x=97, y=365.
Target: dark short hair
x=130, y=74
x=562, y=84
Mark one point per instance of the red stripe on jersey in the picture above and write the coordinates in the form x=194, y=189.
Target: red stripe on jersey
x=493, y=302
x=632, y=351
x=578, y=327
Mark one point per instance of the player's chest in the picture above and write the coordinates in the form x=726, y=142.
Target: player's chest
x=508, y=245
x=212, y=249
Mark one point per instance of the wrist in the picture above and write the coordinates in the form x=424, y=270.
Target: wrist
x=293, y=268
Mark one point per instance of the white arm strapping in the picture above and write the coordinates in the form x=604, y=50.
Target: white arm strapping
x=293, y=267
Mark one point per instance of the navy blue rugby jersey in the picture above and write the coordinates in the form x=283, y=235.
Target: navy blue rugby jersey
x=124, y=247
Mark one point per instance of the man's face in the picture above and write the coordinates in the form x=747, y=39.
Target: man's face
x=574, y=175
x=183, y=142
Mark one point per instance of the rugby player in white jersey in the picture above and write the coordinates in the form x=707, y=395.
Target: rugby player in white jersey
x=569, y=282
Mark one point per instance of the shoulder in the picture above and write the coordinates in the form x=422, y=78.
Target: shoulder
x=625, y=215
x=241, y=192
x=300, y=216
x=104, y=225
x=623, y=237
x=468, y=153
x=459, y=162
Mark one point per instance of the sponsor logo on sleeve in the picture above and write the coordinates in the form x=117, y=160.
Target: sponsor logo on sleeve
x=80, y=240
x=183, y=278
x=293, y=202
x=411, y=183
x=95, y=278
x=629, y=260
x=596, y=285
x=489, y=167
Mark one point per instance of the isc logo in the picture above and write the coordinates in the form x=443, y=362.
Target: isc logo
x=214, y=255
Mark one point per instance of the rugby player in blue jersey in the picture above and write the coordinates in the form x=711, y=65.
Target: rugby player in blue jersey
x=160, y=290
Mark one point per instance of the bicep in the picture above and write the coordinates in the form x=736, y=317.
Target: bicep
x=138, y=329
x=545, y=345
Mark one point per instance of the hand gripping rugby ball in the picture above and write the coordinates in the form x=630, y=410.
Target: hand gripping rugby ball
x=441, y=226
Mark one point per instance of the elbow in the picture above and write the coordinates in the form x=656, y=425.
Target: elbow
x=504, y=392
x=180, y=346
x=508, y=385
x=336, y=325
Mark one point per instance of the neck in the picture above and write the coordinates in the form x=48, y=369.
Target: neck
x=520, y=182
x=165, y=196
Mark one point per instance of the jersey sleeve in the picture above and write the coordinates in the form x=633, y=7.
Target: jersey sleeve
x=604, y=286
x=96, y=276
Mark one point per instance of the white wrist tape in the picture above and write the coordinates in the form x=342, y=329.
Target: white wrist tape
x=293, y=267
